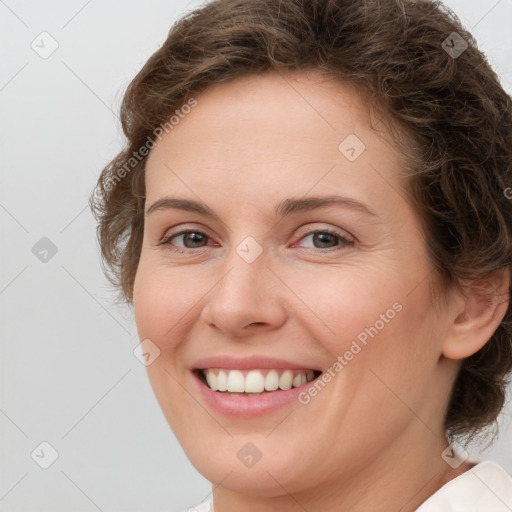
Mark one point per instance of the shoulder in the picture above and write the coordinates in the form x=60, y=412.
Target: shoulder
x=486, y=486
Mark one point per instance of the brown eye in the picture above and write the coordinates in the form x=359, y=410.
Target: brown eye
x=323, y=239
x=188, y=239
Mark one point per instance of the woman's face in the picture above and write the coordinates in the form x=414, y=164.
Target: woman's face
x=271, y=276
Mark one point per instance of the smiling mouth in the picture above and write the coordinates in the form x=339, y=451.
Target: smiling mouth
x=254, y=382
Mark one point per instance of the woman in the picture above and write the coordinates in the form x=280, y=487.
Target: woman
x=310, y=221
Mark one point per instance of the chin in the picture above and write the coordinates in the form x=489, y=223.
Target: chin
x=235, y=464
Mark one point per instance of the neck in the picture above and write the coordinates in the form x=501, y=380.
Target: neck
x=401, y=478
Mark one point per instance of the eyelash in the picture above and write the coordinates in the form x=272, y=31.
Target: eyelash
x=345, y=242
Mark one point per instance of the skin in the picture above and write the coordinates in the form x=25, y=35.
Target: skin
x=372, y=438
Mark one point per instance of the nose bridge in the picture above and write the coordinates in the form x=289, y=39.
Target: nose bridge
x=245, y=295
x=244, y=275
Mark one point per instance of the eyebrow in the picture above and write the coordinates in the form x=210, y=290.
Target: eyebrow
x=284, y=208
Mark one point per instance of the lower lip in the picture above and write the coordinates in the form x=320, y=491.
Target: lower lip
x=248, y=406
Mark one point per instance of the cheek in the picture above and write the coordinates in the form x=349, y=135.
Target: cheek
x=162, y=300
x=369, y=318
x=342, y=302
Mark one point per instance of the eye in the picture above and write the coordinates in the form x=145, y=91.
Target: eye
x=193, y=239
x=187, y=239
x=326, y=239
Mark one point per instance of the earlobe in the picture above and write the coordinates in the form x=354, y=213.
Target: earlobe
x=479, y=315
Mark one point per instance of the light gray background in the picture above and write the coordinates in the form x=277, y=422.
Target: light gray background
x=68, y=374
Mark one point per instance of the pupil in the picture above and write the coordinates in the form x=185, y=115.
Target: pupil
x=194, y=238
x=325, y=238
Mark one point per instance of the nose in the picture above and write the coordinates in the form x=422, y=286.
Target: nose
x=247, y=299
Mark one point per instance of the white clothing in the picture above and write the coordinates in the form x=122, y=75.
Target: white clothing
x=206, y=506
x=486, y=487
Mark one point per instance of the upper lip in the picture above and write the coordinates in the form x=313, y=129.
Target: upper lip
x=249, y=363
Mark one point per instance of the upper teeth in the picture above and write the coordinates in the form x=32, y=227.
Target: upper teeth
x=256, y=381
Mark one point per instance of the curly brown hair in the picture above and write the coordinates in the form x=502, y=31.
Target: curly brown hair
x=455, y=118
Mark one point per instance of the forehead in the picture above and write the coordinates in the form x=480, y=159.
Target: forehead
x=257, y=107
x=271, y=132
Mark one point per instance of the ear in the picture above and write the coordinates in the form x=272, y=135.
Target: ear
x=477, y=315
